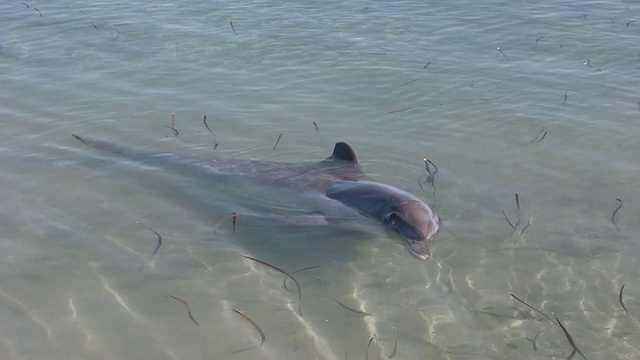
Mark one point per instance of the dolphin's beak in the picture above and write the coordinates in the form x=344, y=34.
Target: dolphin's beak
x=419, y=249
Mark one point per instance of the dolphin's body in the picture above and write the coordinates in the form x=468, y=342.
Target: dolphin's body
x=339, y=177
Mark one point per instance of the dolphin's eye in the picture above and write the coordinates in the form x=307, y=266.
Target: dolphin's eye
x=406, y=230
x=391, y=219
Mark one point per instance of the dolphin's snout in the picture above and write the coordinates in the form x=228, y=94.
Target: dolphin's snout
x=419, y=249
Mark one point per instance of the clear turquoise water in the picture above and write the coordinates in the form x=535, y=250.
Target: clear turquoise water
x=399, y=81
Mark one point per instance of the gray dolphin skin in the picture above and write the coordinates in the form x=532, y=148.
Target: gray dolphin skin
x=339, y=177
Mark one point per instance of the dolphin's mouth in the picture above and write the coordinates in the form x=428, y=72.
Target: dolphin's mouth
x=419, y=249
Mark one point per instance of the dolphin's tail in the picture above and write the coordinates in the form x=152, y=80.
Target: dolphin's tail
x=125, y=151
x=163, y=160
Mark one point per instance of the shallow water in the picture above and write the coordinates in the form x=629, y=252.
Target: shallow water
x=397, y=80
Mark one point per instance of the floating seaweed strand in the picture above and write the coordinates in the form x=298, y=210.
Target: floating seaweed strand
x=515, y=226
x=431, y=174
x=364, y=313
x=262, y=335
x=277, y=141
x=395, y=345
x=538, y=137
x=155, y=251
x=215, y=141
x=613, y=216
x=187, y=306
x=173, y=125
x=620, y=299
x=282, y=272
x=556, y=322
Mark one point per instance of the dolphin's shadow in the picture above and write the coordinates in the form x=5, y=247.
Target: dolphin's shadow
x=298, y=245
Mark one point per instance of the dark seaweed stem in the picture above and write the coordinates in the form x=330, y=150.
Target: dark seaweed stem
x=631, y=22
x=526, y=226
x=620, y=299
x=215, y=140
x=282, y=272
x=435, y=168
x=518, y=215
x=155, y=251
x=420, y=183
x=234, y=221
x=366, y=355
x=564, y=103
x=532, y=308
x=173, y=125
x=204, y=120
x=306, y=268
x=352, y=309
x=539, y=138
x=429, y=63
x=315, y=125
x=508, y=221
x=503, y=54
x=538, y=39
x=538, y=134
x=175, y=131
x=36, y=9
x=187, y=306
x=233, y=28
x=431, y=175
x=277, y=141
x=400, y=110
x=255, y=326
x=518, y=207
x=410, y=81
x=535, y=347
x=426, y=165
x=613, y=216
x=233, y=216
x=570, y=339
x=373, y=338
x=297, y=271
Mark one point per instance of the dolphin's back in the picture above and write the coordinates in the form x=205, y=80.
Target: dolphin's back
x=342, y=164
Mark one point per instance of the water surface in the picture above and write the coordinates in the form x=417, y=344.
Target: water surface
x=397, y=80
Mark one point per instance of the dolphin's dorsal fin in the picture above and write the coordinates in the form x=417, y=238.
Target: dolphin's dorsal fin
x=343, y=151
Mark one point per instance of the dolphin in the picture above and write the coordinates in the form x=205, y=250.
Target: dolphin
x=339, y=177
